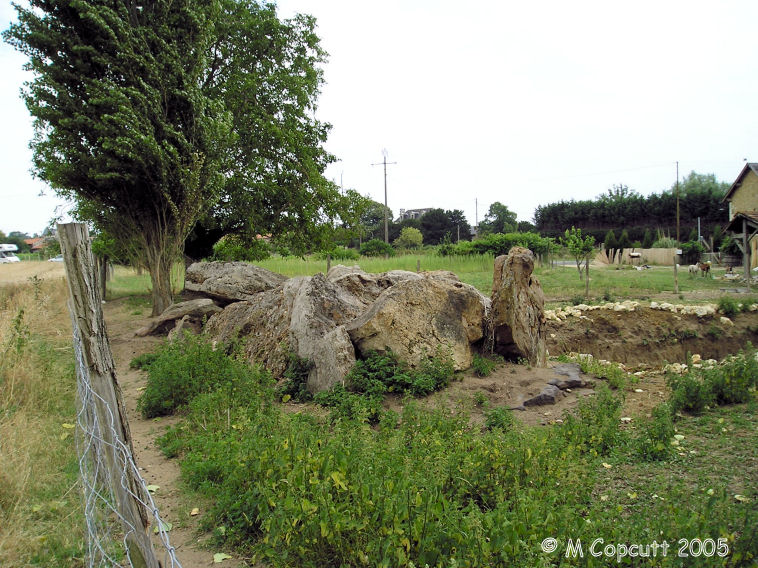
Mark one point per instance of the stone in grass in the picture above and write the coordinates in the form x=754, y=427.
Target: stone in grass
x=548, y=395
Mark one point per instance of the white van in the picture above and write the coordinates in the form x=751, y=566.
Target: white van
x=6, y=254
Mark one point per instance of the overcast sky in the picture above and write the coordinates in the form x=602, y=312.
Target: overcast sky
x=526, y=103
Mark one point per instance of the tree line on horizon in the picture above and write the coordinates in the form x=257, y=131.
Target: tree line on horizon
x=622, y=209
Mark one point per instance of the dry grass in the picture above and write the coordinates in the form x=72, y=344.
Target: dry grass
x=40, y=506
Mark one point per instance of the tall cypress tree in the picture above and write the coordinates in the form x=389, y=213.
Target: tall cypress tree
x=122, y=125
x=155, y=115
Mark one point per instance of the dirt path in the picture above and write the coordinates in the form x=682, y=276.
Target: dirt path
x=156, y=468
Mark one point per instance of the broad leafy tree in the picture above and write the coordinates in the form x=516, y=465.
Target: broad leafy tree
x=437, y=223
x=499, y=219
x=410, y=238
x=156, y=116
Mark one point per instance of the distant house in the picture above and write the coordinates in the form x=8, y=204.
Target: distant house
x=37, y=244
x=412, y=213
x=742, y=198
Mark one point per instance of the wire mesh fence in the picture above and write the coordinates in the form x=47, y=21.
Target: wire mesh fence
x=107, y=530
x=118, y=507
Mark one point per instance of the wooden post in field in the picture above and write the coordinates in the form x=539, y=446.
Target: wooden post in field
x=328, y=263
x=587, y=277
x=87, y=311
x=746, y=260
x=676, y=274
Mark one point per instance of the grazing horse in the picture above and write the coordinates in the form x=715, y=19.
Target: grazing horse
x=705, y=268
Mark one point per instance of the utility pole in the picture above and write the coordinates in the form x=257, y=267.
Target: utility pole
x=677, y=203
x=386, y=222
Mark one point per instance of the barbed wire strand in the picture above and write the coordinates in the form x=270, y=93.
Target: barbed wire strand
x=99, y=498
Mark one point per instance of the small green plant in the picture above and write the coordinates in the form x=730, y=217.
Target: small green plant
x=576, y=300
x=654, y=440
x=728, y=306
x=608, y=297
x=499, y=417
x=617, y=378
x=735, y=379
x=294, y=385
x=594, y=427
x=483, y=366
x=689, y=393
x=143, y=361
x=714, y=331
x=480, y=399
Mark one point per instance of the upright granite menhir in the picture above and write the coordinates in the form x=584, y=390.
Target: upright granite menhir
x=329, y=319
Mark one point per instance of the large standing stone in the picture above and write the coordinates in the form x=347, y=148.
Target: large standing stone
x=415, y=317
x=230, y=281
x=517, y=317
x=314, y=333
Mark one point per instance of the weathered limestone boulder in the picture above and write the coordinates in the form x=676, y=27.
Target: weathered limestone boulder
x=314, y=333
x=301, y=316
x=192, y=310
x=364, y=287
x=416, y=317
x=442, y=275
x=186, y=324
x=517, y=320
x=230, y=281
x=261, y=325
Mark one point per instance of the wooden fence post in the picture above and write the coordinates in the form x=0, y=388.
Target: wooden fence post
x=87, y=311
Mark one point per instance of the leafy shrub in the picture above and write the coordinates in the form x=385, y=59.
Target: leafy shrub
x=348, y=405
x=689, y=393
x=499, y=417
x=340, y=253
x=733, y=381
x=483, y=366
x=654, y=441
x=189, y=366
x=376, y=247
x=233, y=247
x=594, y=428
x=728, y=306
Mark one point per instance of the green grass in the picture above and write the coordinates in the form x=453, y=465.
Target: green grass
x=127, y=282
x=560, y=283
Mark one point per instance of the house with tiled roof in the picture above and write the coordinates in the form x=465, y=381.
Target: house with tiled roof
x=742, y=199
x=36, y=244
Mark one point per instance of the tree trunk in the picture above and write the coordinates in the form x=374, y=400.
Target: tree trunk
x=587, y=277
x=160, y=278
x=160, y=255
